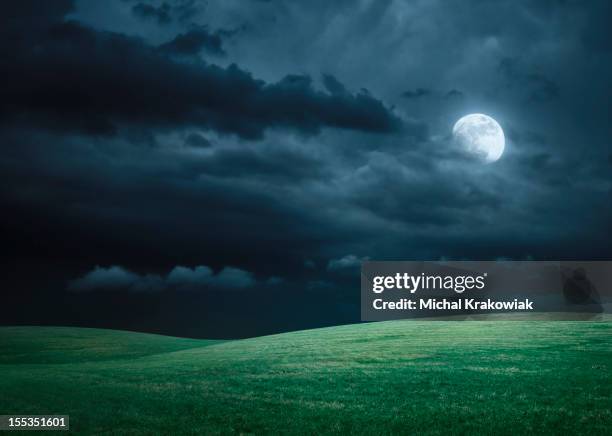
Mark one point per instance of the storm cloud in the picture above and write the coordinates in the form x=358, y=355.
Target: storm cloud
x=120, y=80
x=193, y=42
x=143, y=137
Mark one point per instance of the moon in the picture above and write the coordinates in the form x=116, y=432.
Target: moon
x=480, y=136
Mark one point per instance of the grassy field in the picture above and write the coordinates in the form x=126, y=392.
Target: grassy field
x=503, y=377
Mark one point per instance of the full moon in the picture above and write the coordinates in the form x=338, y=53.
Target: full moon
x=480, y=136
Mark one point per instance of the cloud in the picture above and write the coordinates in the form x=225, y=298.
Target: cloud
x=596, y=32
x=160, y=13
x=158, y=202
x=117, y=278
x=346, y=262
x=401, y=189
x=273, y=281
x=538, y=87
x=196, y=140
x=333, y=85
x=310, y=264
x=417, y=93
x=454, y=93
x=193, y=42
x=167, y=12
x=201, y=276
x=32, y=15
x=124, y=82
x=319, y=285
x=266, y=163
x=182, y=276
x=230, y=277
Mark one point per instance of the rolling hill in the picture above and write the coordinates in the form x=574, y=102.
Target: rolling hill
x=501, y=377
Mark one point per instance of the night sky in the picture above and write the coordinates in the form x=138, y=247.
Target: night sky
x=220, y=168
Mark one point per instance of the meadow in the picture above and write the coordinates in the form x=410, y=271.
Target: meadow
x=427, y=377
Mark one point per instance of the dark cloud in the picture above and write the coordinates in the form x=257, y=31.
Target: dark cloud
x=539, y=161
x=201, y=276
x=159, y=13
x=268, y=164
x=165, y=13
x=117, y=152
x=417, y=93
x=408, y=196
x=151, y=208
x=122, y=81
x=28, y=15
x=185, y=10
x=538, y=87
x=333, y=85
x=196, y=140
x=596, y=32
x=454, y=93
x=193, y=42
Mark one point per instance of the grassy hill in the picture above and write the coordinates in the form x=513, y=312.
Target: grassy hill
x=503, y=377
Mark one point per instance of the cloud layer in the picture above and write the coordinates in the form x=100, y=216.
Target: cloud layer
x=122, y=81
x=293, y=139
x=117, y=278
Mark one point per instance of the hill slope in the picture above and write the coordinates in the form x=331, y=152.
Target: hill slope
x=72, y=345
x=403, y=376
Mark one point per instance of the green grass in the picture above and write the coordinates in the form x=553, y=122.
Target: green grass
x=502, y=377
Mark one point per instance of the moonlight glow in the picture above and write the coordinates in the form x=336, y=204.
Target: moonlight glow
x=480, y=136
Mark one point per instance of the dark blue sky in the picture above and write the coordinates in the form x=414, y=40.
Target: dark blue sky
x=220, y=168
